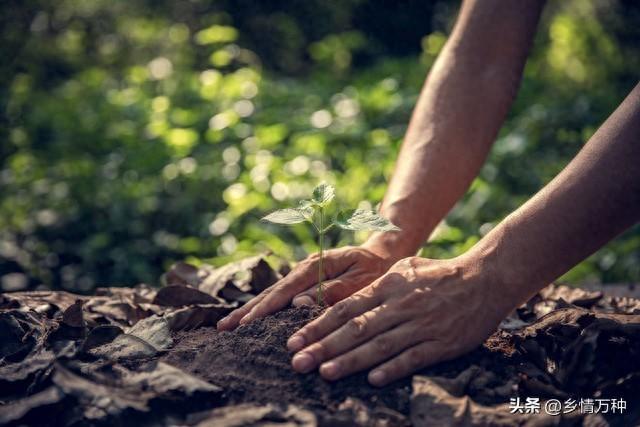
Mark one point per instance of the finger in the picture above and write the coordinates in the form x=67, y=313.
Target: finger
x=330, y=292
x=380, y=348
x=298, y=279
x=409, y=361
x=301, y=300
x=354, y=332
x=301, y=278
x=232, y=319
x=336, y=290
x=332, y=319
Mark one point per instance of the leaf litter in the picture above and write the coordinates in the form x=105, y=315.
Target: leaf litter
x=147, y=356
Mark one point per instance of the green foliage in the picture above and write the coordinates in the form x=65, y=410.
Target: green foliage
x=135, y=136
x=287, y=216
x=359, y=220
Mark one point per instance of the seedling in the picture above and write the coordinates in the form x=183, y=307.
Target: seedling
x=314, y=211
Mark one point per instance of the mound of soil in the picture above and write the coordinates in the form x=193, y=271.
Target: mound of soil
x=254, y=365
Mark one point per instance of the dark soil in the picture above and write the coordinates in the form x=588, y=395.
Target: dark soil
x=254, y=365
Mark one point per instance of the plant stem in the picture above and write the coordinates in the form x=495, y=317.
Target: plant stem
x=321, y=231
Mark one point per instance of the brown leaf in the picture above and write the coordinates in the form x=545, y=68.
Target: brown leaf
x=19, y=411
x=153, y=330
x=354, y=412
x=121, y=393
x=197, y=316
x=255, y=415
x=124, y=347
x=579, y=349
x=139, y=294
x=572, y=295
x=100, y=335
x=72, y=316
x=432, y=405
x=250, y=275
x=120, y=310
x=179, y=296
x=182, y=274
x=40, y=301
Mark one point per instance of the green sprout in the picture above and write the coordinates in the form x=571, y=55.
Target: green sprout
x=314, y=211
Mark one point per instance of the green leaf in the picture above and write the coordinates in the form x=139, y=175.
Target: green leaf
x=323, y=194
x=360, y=219
x=307, y=209
x=286, y=216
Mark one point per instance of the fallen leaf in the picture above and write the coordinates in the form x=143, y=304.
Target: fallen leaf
x=255, y=415
x=72, y=316
x=153, y=330
x=124, y=347
x=182, y=274
x=249, y=275
x=197, y=316
x=432, y=405
x=179, y=296
x=127, y=393
x=20, y=411
x=100, y=335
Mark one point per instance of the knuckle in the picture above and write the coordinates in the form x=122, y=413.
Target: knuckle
x=357, y=327
x=341, y=311
x=382, y=344
x=319, y=352
x=409, y=274
x=332, y=294
x=414, y=359
x=351, y=362
x=402, y=264
x=384, y=282
x=309, y=332
x=276, y=293
x=311, y=259
x=411, y=301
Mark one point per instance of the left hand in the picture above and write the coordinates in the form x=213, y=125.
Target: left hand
x=419, y=313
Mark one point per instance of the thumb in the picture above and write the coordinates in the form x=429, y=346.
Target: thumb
x=334, y=290
x=310, y=296
x=301, y=278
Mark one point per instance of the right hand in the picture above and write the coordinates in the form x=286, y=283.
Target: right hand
x=346, y=270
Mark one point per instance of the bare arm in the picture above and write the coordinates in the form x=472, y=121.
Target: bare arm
x=592, y=200
x=462, y=106
x=412, y=317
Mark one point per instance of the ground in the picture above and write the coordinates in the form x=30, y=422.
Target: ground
x=146, y=356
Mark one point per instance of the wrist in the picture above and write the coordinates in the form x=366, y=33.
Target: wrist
x=493, y=278
x=506, y=280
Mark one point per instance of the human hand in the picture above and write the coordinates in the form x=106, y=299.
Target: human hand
x=346, y=270
x=419, y=313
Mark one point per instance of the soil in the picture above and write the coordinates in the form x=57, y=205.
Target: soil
x=255, y=366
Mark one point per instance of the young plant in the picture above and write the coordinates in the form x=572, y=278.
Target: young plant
x=314, y=211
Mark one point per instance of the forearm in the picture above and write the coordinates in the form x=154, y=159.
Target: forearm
x=596, y=197
x=461, y=108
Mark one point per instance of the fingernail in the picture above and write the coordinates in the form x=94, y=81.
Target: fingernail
x=245, y=319
x=302, y=362
x=330, y=370
x=302, y=300
x=295, y=343
x=377, y=377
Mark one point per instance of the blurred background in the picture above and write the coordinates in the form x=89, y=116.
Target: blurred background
x=138, y=133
